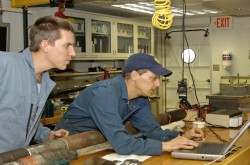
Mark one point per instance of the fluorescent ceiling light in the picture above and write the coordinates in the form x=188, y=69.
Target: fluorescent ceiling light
x=134, y=9
x=189, y=13
x=149, y=7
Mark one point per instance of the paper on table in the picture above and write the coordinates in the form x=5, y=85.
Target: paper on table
x=121, y=158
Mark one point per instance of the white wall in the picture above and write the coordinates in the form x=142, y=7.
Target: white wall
x=15, y=18
x=236, y=40
x=170, y=54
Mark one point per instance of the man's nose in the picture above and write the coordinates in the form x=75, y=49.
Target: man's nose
x=157, y=83
x=72, y=52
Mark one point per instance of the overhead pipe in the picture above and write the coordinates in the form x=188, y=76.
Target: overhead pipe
x=187, y=30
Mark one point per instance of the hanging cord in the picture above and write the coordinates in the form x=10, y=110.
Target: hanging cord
x=224, y=155
x=217, y=136
x=191, y=74
x=185, y=40
x=163, y=17
x=183, y=33
x=195, y=91
x=166, y=80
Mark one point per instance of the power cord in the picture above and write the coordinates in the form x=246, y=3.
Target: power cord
x=217, y=136
x=163, y=17
x=224, y=155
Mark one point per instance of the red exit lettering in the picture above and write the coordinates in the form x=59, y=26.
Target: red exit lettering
x=222, y=22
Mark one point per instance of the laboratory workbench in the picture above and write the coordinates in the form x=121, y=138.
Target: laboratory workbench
x=239, y=157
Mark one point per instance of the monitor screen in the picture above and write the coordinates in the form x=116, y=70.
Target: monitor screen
x=5, y=36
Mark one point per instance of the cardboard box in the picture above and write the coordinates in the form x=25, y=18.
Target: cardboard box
x=225, y=118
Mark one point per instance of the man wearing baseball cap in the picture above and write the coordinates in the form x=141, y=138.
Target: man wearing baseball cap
x=106, y=105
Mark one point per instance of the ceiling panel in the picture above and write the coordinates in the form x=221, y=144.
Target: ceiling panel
x=237, y=8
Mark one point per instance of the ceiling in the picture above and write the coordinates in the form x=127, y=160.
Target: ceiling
x=238, y=8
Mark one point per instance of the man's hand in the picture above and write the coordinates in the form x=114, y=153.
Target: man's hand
x=194, y=134
x=179, y=142
x=58, y=134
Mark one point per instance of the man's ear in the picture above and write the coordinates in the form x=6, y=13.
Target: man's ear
x=44, y=46
x=134, y=74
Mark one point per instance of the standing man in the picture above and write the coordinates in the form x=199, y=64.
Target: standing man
x=25, y=83
x=106, y=105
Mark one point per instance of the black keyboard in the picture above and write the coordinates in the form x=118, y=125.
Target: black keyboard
x=210, y=148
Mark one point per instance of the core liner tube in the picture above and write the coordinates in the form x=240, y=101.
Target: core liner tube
x=73, y=142
x=82, y=140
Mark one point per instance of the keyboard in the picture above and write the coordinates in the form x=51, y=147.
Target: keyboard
x=210, y=148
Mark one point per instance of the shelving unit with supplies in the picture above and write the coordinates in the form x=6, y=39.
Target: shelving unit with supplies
x=108, y=37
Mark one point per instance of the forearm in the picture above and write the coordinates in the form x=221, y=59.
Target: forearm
x=42, y=134
x=138, y=147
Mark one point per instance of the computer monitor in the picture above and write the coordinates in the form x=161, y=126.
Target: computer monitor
x=5, y=36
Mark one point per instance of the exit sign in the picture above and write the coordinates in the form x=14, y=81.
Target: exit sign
x=222, y=22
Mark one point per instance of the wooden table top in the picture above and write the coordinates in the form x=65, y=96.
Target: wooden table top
x=165, y=158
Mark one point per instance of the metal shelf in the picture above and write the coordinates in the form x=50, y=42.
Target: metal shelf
x=82, y=73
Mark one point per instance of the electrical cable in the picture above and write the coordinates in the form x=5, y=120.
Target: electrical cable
x=163, y=17
x=224, y=141
x=224, y=155
x=182, y=85
x=185, y=39
x=217, y=136
x=183, y=35
x=165, y=84
x=192, y=77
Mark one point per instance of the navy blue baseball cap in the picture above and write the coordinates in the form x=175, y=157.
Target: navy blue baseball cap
x=145, y=61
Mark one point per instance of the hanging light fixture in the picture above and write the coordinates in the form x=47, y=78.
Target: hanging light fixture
x=188, y=55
